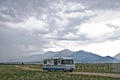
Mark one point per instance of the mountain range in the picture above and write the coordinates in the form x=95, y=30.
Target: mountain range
x=79, y=57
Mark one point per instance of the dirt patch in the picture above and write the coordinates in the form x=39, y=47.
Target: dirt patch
x=27, y=68
x=97, y=74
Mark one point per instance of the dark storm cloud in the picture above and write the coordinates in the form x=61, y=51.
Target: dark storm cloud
x=101, y=4
x=14, y=43
x=19, y=10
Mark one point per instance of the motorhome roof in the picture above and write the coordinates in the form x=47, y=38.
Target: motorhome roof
x=62, y=58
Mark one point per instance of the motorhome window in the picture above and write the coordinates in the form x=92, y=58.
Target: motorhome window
x=55, y=62
x=45, y=62
x=58, y=61
x=67, y=61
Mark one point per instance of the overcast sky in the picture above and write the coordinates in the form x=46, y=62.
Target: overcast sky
x=36, y=26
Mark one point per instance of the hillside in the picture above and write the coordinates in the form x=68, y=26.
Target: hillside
x=117, y=56
x=79, y=57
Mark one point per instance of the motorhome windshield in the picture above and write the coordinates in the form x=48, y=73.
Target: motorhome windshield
x=67, y=61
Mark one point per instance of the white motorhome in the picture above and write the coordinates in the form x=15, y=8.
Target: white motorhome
x=62, y=63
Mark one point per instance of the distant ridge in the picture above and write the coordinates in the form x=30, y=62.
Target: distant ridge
x=85, y=57
x=117, y=56
x=79, y=57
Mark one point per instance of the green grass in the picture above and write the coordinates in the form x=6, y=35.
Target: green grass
x=10, y=72
x=101, y=67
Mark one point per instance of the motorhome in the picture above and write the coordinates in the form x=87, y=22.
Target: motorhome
x=62, y=63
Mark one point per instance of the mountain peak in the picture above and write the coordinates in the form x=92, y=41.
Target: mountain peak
x=49, y=52
x=65, y=50
x=81, y=51
x=108, y=56
x=63, y=53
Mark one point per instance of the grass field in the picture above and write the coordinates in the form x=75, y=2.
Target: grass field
x=11, y=72
x=103, y=67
